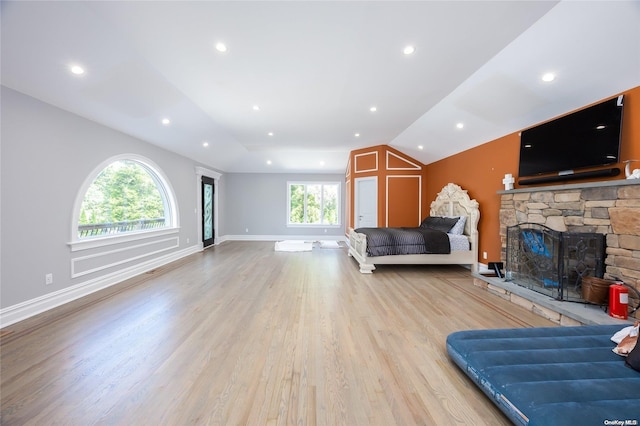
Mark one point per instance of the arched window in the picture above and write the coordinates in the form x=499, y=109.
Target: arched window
x=128, y=195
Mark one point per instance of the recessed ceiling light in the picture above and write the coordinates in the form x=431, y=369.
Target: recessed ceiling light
x=373, y=109
x=166, y=121
x=357, y=135
x=420, y=147
x=221, y=47
x=269, y=162
x=205, y=144
x=548, y=77
x=270, y=133
x=77, y=70
x=409, y=50
x=321, y=163
x=460, y=125
x=256, y=108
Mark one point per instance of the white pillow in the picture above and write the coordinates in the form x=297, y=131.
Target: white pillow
x=458, y=228
x=627, y=331
x=628, y=341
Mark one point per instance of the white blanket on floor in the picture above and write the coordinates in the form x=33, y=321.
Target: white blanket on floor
x=293, y=245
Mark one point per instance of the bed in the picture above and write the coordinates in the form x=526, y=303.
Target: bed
x=452, y=201
x=551, y=375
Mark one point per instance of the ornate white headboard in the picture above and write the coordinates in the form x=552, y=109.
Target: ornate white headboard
x=454, y=201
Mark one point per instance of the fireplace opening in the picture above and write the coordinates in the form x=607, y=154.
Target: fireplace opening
x=553, y=262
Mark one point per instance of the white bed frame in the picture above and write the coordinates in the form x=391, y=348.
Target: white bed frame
x=451, y=201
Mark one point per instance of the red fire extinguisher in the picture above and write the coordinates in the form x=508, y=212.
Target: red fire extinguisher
x=618, y=301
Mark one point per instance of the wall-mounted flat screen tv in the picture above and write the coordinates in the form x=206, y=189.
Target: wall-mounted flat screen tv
x=586, y=138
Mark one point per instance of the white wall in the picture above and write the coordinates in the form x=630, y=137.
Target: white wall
x=46, y=155
x=258, y=202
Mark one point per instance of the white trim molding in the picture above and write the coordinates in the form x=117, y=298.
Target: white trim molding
x=414, y=166
x=283, y=237
x=97, y=262
x=164, y=186
x=419, y=195
x=121, y=238
x=201, y=171
x=29, y=308
x=355, y=158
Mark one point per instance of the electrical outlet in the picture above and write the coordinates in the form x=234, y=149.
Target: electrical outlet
x=484, y=255
x=48, y=279
x=187, y=241
x=325, y=231
x=246, y=230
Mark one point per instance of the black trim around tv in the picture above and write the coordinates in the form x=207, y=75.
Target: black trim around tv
x=587, y=138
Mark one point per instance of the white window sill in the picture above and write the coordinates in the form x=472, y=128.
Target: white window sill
x=90, y=243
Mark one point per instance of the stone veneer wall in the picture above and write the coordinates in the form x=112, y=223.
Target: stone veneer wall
x=611, y=210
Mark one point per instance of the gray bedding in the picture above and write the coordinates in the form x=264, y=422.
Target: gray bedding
x=397, y=241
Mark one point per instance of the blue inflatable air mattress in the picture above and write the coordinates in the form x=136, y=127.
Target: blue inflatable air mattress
x=551, y=376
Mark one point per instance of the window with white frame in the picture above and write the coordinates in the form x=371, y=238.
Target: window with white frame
x=313, y=203
x=127, y=195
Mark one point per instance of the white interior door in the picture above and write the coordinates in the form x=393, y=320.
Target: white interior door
x=366, y=202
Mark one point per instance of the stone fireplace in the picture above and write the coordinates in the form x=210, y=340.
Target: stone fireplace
x=611, y=208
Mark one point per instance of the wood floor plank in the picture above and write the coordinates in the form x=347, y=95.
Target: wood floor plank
x=240, y=334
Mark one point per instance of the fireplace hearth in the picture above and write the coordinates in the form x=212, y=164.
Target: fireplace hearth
x=553, y=262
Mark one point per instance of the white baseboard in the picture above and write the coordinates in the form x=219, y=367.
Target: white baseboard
x=281, y=238
x=29, y=308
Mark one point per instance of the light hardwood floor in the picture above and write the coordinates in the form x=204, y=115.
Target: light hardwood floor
x=243, y=335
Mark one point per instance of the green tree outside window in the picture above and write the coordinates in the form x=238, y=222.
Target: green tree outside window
x=124, y=192
x=314, y=203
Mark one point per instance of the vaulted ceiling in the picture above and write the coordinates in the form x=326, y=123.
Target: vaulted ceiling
x=293, y=91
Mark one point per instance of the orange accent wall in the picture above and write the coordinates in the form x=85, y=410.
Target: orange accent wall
x=400, y=185
x=366, y=161
x=480, y=171
x=403, y=200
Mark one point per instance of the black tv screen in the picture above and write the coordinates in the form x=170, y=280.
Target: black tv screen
x=586, y=138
